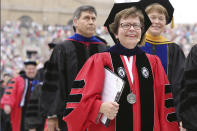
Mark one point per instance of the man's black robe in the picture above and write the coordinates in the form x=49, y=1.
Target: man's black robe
x=64, y=64
x=188, y=108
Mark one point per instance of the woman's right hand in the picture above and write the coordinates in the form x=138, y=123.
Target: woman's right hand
x=109, y=109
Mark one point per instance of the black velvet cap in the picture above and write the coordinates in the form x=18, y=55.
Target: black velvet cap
x=117, y=7
x=30, y=62
x=165, y=3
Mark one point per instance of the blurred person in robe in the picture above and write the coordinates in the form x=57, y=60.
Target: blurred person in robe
x=16, y=96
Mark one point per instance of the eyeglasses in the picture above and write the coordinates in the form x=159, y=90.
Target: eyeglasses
x=159, y=18
x=127, y=26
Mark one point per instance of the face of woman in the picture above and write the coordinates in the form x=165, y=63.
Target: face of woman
x=158, y=23
x=129, y=32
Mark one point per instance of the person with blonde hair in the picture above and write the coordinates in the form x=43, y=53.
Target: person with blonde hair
x=171, y=55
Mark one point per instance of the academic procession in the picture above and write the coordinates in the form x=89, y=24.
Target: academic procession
x=128, y=67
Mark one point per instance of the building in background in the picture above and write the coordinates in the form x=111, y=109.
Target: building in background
x=49, y=11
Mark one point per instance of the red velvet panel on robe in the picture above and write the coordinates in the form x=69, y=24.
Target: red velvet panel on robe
x=13, y=99
x=84, y=115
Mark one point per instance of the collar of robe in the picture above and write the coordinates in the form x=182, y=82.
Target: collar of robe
x=80, y=38
x=121, y=50
x=156, y=40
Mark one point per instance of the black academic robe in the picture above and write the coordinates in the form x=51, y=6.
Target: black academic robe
x=188, y=108
x=66, y=60
x=33, y=117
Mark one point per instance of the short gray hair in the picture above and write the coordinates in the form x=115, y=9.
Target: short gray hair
x=83, y=8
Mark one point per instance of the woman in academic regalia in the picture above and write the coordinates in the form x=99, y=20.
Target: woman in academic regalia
x=141, y=105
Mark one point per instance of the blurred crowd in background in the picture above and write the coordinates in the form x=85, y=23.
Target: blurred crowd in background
x=18, y=39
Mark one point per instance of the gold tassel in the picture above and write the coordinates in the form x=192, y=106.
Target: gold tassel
x=172, y=23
